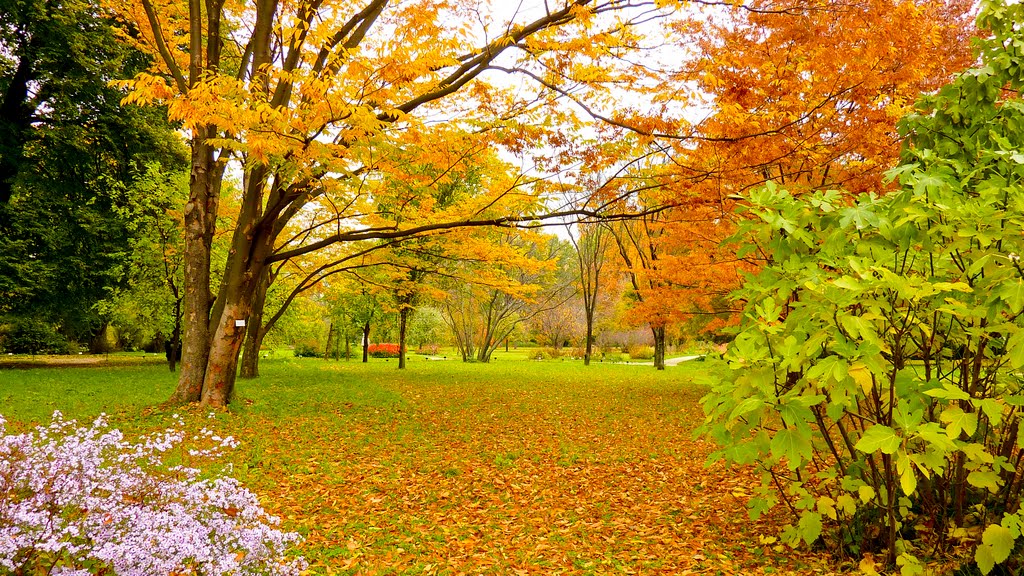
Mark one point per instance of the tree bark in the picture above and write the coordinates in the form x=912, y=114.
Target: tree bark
x=15, y=121
x=172, y=362
x=250, y=368
x=256, y=331
x=200, y=220
x=244, y=270
x=589, y=350
x=366, y=341
x=403, y=321
x=659, y=347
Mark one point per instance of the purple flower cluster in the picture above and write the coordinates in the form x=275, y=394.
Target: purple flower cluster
x=78, y=500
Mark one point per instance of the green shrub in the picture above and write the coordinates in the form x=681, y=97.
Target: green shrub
x=876, y=380
x=308, y=349
x=30, y=336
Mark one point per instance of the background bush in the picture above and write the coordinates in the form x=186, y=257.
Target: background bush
x=30, y=336
x=307, y=349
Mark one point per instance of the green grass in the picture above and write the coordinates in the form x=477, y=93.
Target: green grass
x=449, y=467
x=31, y=395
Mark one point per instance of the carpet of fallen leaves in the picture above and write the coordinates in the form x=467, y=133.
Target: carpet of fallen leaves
x=526, y=477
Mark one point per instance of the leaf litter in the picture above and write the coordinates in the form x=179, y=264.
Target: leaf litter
x=526, y=478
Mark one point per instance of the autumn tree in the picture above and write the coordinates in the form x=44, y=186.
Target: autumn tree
x=590, y=245
x=802, y=94
x=426, y=177
x=639, y=249
x=806, y=96
x=301, y=94
x=492, y=297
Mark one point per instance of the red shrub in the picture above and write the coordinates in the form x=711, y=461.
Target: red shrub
x=383, y=350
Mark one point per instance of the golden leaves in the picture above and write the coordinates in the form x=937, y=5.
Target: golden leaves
x=514, y=470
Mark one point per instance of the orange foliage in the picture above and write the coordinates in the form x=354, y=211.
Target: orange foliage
x=804, y=94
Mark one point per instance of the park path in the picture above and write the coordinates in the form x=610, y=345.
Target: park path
x=668, y=362
x=681, y=359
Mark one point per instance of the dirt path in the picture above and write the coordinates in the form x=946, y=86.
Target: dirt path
x=77, y=361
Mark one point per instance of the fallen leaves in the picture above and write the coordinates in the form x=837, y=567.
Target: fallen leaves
x=514, y=478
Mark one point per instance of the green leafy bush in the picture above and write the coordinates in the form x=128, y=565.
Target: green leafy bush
x=30, y=336
x=877, y=380
x=307, y=349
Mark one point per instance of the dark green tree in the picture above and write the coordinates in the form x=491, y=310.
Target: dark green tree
x=66, y=148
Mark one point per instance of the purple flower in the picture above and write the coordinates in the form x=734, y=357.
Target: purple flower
x=80, y=500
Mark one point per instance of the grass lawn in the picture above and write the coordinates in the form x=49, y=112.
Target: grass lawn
x=514, y=467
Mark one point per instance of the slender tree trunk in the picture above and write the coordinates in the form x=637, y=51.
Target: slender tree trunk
x=255, y=331
x=254, y=337
x=172, y=362
x=403, y=321
x=250, y=367
x=327, y=346
x=366, y=342
x=589, y=349
x=659, y=347
x=348, y=350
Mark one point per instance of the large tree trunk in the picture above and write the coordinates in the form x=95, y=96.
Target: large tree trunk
x=659, y=347
x=226, y=339
x=212, y=341
x=243, y=273
x=221, y=368
x=403, y=321
x=200, y=221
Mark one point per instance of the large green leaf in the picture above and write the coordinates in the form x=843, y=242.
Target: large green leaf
x=996, y=545
x=810, y=526
x=879, y=438
x=958, y=421
x=793, y=444
x=984, y=479
x=1012, y=293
